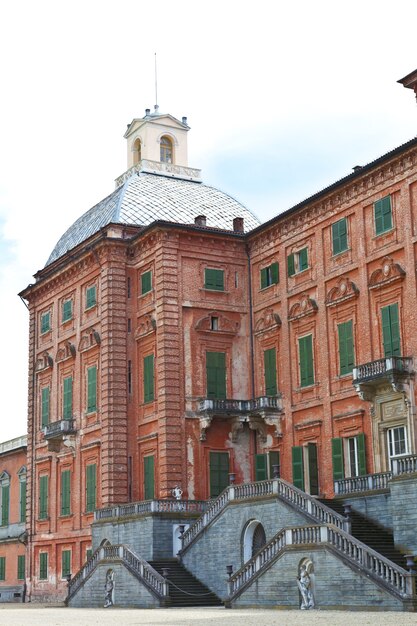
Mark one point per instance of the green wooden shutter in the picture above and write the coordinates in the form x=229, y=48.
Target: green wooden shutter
x=274, y=273
x=67, y=399
x=22, y=502
x=346, y=356
x=303, y=259
x=91, y=389
x=298, y=467
x=5, y=500
x=216, y=375
x=66, y=310
x=391, y=330
x=383, y=215
x=2, y=568
x=214, y=279
x=91, y=488
x=45, y=322
x=264, y=278
x=149, y=477
x=21, y=567
x=270, y=372
x=261, y=468
x=148, y=378
x=88, y=554
x=219, y=472
x=91, y=298
x=361, y=454
x=43, y=497
x=65, y=563
x=65, y=492
x=306, y=360
x=313, y=470
x=290, y=265
x=43, y=565
x=339, y=236
x=274, y=459
x=337, y=458
x=45, y=398
x=146, y=282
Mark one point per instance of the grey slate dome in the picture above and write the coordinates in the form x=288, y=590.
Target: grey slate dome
x=145, y=198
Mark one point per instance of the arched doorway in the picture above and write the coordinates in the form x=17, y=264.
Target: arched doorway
x=254, y=539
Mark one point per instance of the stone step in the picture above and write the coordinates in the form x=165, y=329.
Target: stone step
x=184, y=588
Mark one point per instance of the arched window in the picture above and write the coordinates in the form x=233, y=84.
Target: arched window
x=166, y=151
x=137, y=151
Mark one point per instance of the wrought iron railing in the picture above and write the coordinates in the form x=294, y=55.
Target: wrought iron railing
x=138, y=566
x=381, y=367
x=395, y=578
x=151, y=506
x=61, y=427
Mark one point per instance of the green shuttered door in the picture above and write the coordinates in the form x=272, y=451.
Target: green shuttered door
x=149, y=477
x=298, y=467
x=361, y=454
x=66, y=492
x=91, y=389
x=43, y=497
x=261, y=469
x=216, y=375
x=67, y=401
x=219, y=472
x=5, y=497
x=391, y=330
x=337, y=458
x=91, y=487
x=346, y=356
x=148, y=378
x=306, y=360
x=270, y=372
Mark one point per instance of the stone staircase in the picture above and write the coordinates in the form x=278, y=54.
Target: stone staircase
x=370, y=533
x=184, y=588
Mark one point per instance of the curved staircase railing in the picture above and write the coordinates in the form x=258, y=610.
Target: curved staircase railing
x=394, y=578
x=276, y=487
x=138, y=566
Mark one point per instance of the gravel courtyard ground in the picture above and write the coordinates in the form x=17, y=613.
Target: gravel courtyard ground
x=28, y=615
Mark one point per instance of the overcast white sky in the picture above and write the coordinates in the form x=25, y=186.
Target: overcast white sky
x=283, y=98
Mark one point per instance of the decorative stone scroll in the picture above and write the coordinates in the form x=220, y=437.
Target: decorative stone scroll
x=225, y=325
x=344, y=290
x=43, y=362
x=66, y=351
x=389, y=272
x=89, y=339
x=269, y=321
x=146, y=326
x=305, y=306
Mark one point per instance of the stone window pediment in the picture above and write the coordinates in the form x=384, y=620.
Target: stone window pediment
x=43, y=362
x=344, y=290
x=388, y=272
x=89, y=339
x=305, y=306
x=146, y=326
x=224, y=325
x=66, y=351
x=269, y=321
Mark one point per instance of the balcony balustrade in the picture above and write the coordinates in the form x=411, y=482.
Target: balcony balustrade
x=57, y=430
x=395, y=370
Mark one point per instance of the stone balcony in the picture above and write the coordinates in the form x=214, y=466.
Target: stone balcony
x=257, y=412
x=12, y=531
x=394, y=370
x=59, y=432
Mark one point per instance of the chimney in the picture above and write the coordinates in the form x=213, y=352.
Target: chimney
x=356, y=168
x=200, y=220
x=238, y=225
x=184, y=121
x=147, y=112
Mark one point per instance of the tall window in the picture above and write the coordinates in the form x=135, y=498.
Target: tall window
x=391, y=330
x=67, y=398
x=2, y=568
x=306, y=363
x=397, y=441
x=5, y=498
x=21, y=567
x=213, y=279
x=149, y=477
x=305, y=468
x=92, y=389
x=90, y=297
x=146, y=282
x=45, y=404
x=348, y=456
x=339, y=236
x=383, y=215
x=269, y=275
x=346, y=356
x=66, y=310
x=270, y=372
x=219, y=472
x=43, y=497
x=216, y=375
x=265, y=463
x=22, y=494
x=90, y=488
x=65, y=563
x=43, y=566
x=166, y=151
x=66, y=492
x=297, y=262
x=148, y=378
x=45, y=322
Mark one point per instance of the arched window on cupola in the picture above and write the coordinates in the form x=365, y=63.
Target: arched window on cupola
x=137, y=151
x=166, y=150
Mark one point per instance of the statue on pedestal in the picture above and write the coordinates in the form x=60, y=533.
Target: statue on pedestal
x=304, y=585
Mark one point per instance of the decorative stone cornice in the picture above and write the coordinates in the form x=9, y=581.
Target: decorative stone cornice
x=89, y=339
x=146, y=326
x=164, y=169
x=65, y=351
x=43, y=362
x=268, y=321
x=226, y=326
x=308, y=424
x=344, y=290
x=389, y=272
x=305, y=306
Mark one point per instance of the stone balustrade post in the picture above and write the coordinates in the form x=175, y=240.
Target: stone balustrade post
x=324, y=534
x=153, y=506
x=288, y=537
x=231, y=493
x=275, y=486
x=121, y=552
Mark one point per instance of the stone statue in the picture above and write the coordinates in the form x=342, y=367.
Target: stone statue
x=177, y=492
x=108, y=589
x=304, y=585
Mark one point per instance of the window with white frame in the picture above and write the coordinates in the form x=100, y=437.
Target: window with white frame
x=397, y=441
